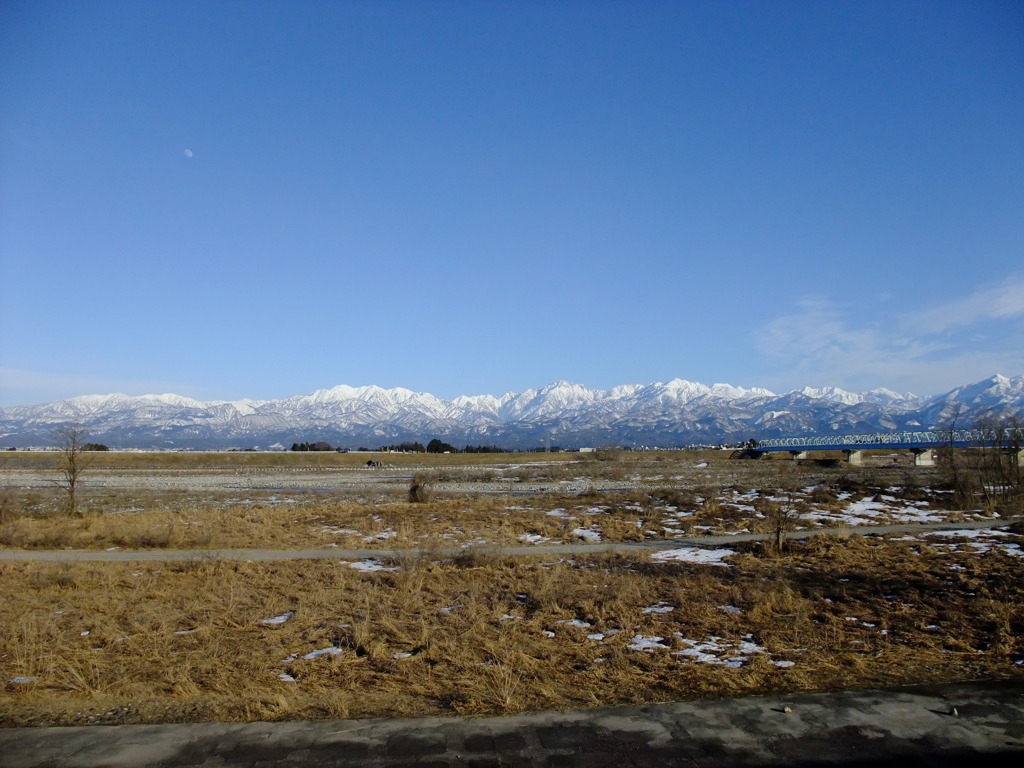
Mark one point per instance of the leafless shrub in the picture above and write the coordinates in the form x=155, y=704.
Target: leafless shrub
x=419, y=490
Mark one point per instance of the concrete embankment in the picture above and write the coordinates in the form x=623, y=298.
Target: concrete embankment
x=938, y=726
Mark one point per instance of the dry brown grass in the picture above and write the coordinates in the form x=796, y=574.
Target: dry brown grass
x=161, y=642
x=185, y=641
x=196, y=460
x=225, y=519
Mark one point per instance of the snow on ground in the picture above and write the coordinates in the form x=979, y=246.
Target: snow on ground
x=694, y=555
x=330, y=650
x=367, y=565
x=388, y=534
x=278, y=619
x=659, y=608
x=587, y=533
x=867, y=510
x=578, y=623
x=980, y=540
x=712, y=650
x=533, y=538
x=647, y=644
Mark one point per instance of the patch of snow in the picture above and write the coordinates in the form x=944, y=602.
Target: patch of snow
x=647, y=644
x=388, y=534
x=278, y=619
x=367, y=565
x=533, y=538
x=586, y=533
x=710, y=651
x=973, y=533
x=330, y=650
x=981, y=540
x=659, y=608
x=694, y=555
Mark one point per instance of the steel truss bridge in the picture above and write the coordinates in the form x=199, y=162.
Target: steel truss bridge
x=961, y=438
x=921, y=444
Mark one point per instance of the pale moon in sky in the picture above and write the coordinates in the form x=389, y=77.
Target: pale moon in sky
x=188, y=153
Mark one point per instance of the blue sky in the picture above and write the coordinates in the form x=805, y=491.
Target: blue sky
x=258, y=199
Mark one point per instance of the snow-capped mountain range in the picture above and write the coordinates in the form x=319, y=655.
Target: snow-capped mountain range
x=672, y=414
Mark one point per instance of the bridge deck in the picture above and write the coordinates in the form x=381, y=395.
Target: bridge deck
x=960, y=438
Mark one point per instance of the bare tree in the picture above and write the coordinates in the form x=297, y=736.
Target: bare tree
x=998, y=460
x=953, y=460
x=778, y=519
x=72, y=462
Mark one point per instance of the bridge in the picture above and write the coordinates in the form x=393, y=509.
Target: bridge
x=922, y=444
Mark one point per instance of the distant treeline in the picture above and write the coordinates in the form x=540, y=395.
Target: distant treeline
x=317, y=446
x=434, y=446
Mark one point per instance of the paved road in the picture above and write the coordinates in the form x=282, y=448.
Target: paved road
x=903, y=727
x=79, y=555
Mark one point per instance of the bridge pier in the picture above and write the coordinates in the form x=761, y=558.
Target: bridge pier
x=797, y=455
x=923, y=457
x=854, y=457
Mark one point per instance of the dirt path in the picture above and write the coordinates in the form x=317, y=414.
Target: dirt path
x=77, y=555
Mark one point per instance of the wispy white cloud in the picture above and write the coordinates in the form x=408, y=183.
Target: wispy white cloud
x=928, y=350
x=997, y=302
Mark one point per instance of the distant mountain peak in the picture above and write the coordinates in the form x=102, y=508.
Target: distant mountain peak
x=832, y=394
x=675, y=413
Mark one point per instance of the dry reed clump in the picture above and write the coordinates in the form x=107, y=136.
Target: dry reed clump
x=680, y=498
x=209, y=639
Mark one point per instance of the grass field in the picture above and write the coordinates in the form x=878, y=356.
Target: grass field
x=480, y=633
x=281, y=459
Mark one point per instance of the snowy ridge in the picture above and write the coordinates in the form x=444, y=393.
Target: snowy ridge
x=673, y=413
